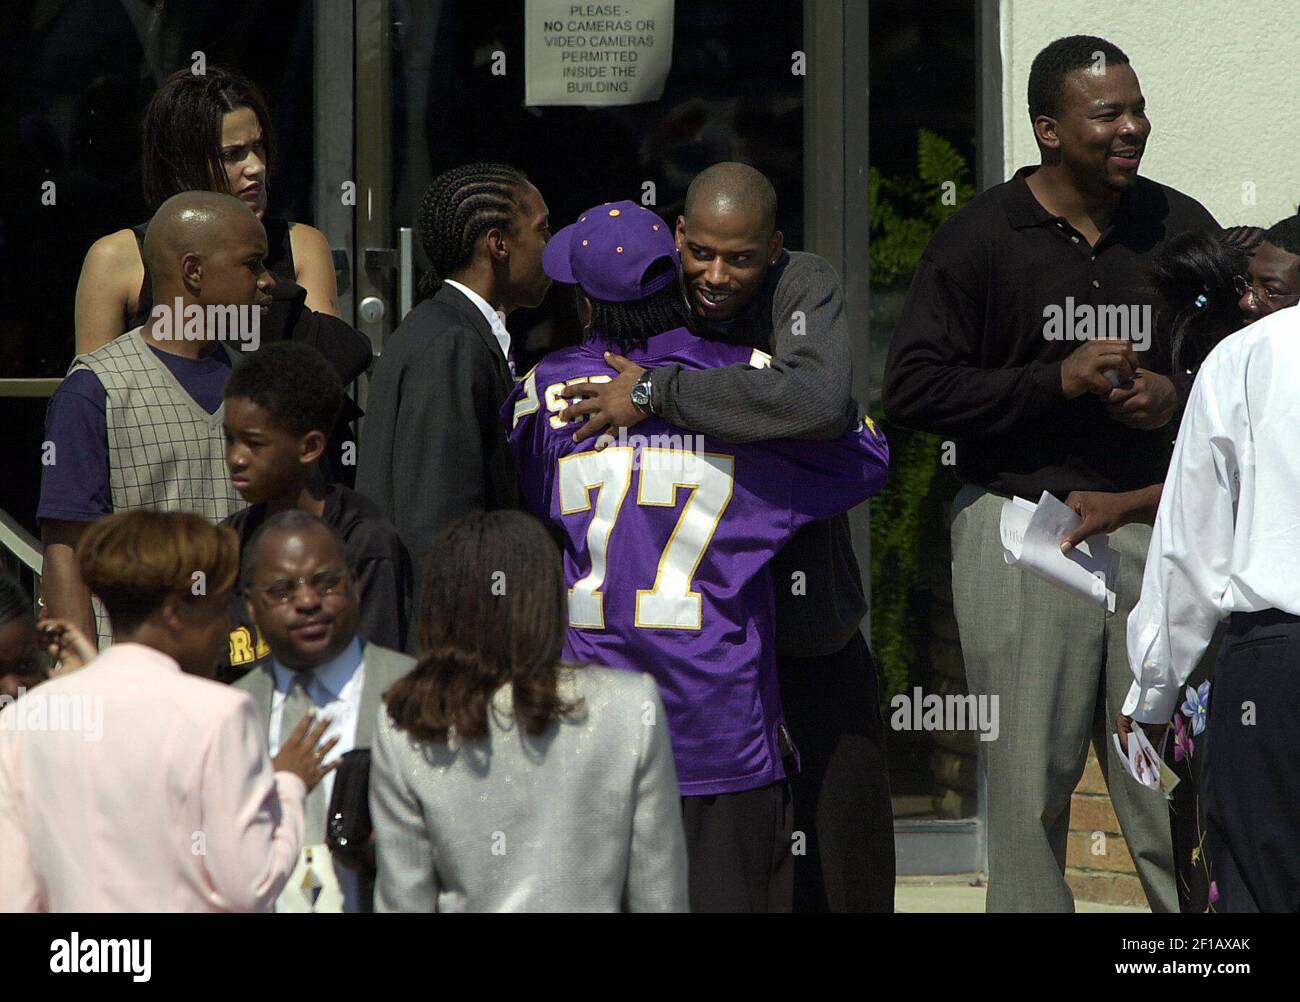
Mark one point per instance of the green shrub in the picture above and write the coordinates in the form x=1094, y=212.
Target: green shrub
x=905, y=211
x=908, y=519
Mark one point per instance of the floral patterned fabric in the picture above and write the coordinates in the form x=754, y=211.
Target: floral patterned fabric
x=1186, y=755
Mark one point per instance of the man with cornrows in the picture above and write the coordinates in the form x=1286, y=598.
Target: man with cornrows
x=432, y=448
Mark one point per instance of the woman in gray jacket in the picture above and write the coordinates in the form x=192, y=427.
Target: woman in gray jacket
x=504, y=780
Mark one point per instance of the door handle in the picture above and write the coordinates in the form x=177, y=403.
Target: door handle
x=402, y=259
x=405, y=272
x=342, y=271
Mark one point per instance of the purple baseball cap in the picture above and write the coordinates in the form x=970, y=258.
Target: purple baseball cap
x=609, y=250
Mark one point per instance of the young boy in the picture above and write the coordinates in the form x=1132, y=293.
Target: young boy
x=280, y=405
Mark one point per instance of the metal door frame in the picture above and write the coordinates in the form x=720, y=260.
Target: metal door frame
x=334, y=118
x=836, y=158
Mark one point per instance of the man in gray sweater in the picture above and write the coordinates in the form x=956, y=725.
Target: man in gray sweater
x=745, y=288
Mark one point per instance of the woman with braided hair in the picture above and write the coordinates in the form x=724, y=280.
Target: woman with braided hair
x=432, y=448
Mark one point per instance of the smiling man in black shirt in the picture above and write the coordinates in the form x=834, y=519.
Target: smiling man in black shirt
x=993, y=349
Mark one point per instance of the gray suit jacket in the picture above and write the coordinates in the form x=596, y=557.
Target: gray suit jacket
x=583, y=817
x=383, y=668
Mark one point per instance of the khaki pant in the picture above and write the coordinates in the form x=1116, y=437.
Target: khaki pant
x=1059, y=666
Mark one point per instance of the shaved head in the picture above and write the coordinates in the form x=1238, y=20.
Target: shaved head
x=727, y=238
x=205, y=249
x=194, y=222
x=731, y=187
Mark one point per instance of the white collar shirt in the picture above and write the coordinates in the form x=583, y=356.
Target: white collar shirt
x=1227, y=534
x=495, y=318
x=335, y=690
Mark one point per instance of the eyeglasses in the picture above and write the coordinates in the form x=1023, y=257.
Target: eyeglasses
x=1265, y=297
x=323, y=583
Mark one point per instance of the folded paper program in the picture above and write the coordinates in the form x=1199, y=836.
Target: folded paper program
x=1031, y=539
x=1144, y=763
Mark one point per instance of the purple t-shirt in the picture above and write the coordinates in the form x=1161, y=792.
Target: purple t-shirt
x=75, y=487
x=667, y=539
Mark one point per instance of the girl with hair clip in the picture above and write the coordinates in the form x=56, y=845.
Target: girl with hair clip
x=1195, y=277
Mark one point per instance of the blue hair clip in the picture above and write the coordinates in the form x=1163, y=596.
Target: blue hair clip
x=1200, y=301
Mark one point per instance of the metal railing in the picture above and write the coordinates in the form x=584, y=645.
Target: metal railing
x=20, y=552
x=21, y=555
x=29, y=387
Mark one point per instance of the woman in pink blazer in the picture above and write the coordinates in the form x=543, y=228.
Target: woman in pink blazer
x=137, y=783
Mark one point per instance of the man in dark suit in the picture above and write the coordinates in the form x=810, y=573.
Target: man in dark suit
x=432, y=448
x=319, y=663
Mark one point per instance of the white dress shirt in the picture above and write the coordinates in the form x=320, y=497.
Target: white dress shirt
x=335, y=690
x=1227, y=535
x=495, y=318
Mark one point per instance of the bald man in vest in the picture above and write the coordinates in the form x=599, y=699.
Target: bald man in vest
x=137, y=423
x=746, y=288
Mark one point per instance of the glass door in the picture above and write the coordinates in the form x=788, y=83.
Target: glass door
x=443, y=83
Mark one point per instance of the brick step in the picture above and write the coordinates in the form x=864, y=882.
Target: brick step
x=1092, y=781
x=1083, y=852
x=1106, y=888
x=1089, y=813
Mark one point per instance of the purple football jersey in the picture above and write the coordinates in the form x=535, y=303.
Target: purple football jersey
x=667, y=539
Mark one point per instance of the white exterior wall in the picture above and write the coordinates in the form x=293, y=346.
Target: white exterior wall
x=1220, y=84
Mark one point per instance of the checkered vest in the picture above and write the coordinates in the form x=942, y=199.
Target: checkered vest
x=164, y=451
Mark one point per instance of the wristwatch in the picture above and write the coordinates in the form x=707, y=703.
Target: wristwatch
x=641, y=395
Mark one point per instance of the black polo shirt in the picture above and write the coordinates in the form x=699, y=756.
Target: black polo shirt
x=970, y=358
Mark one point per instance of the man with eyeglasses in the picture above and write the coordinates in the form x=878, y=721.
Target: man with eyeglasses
x=304, y=600
x=1272, y=279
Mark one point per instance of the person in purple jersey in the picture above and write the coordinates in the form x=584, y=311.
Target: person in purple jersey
x=667, y=538
x=745, y=287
